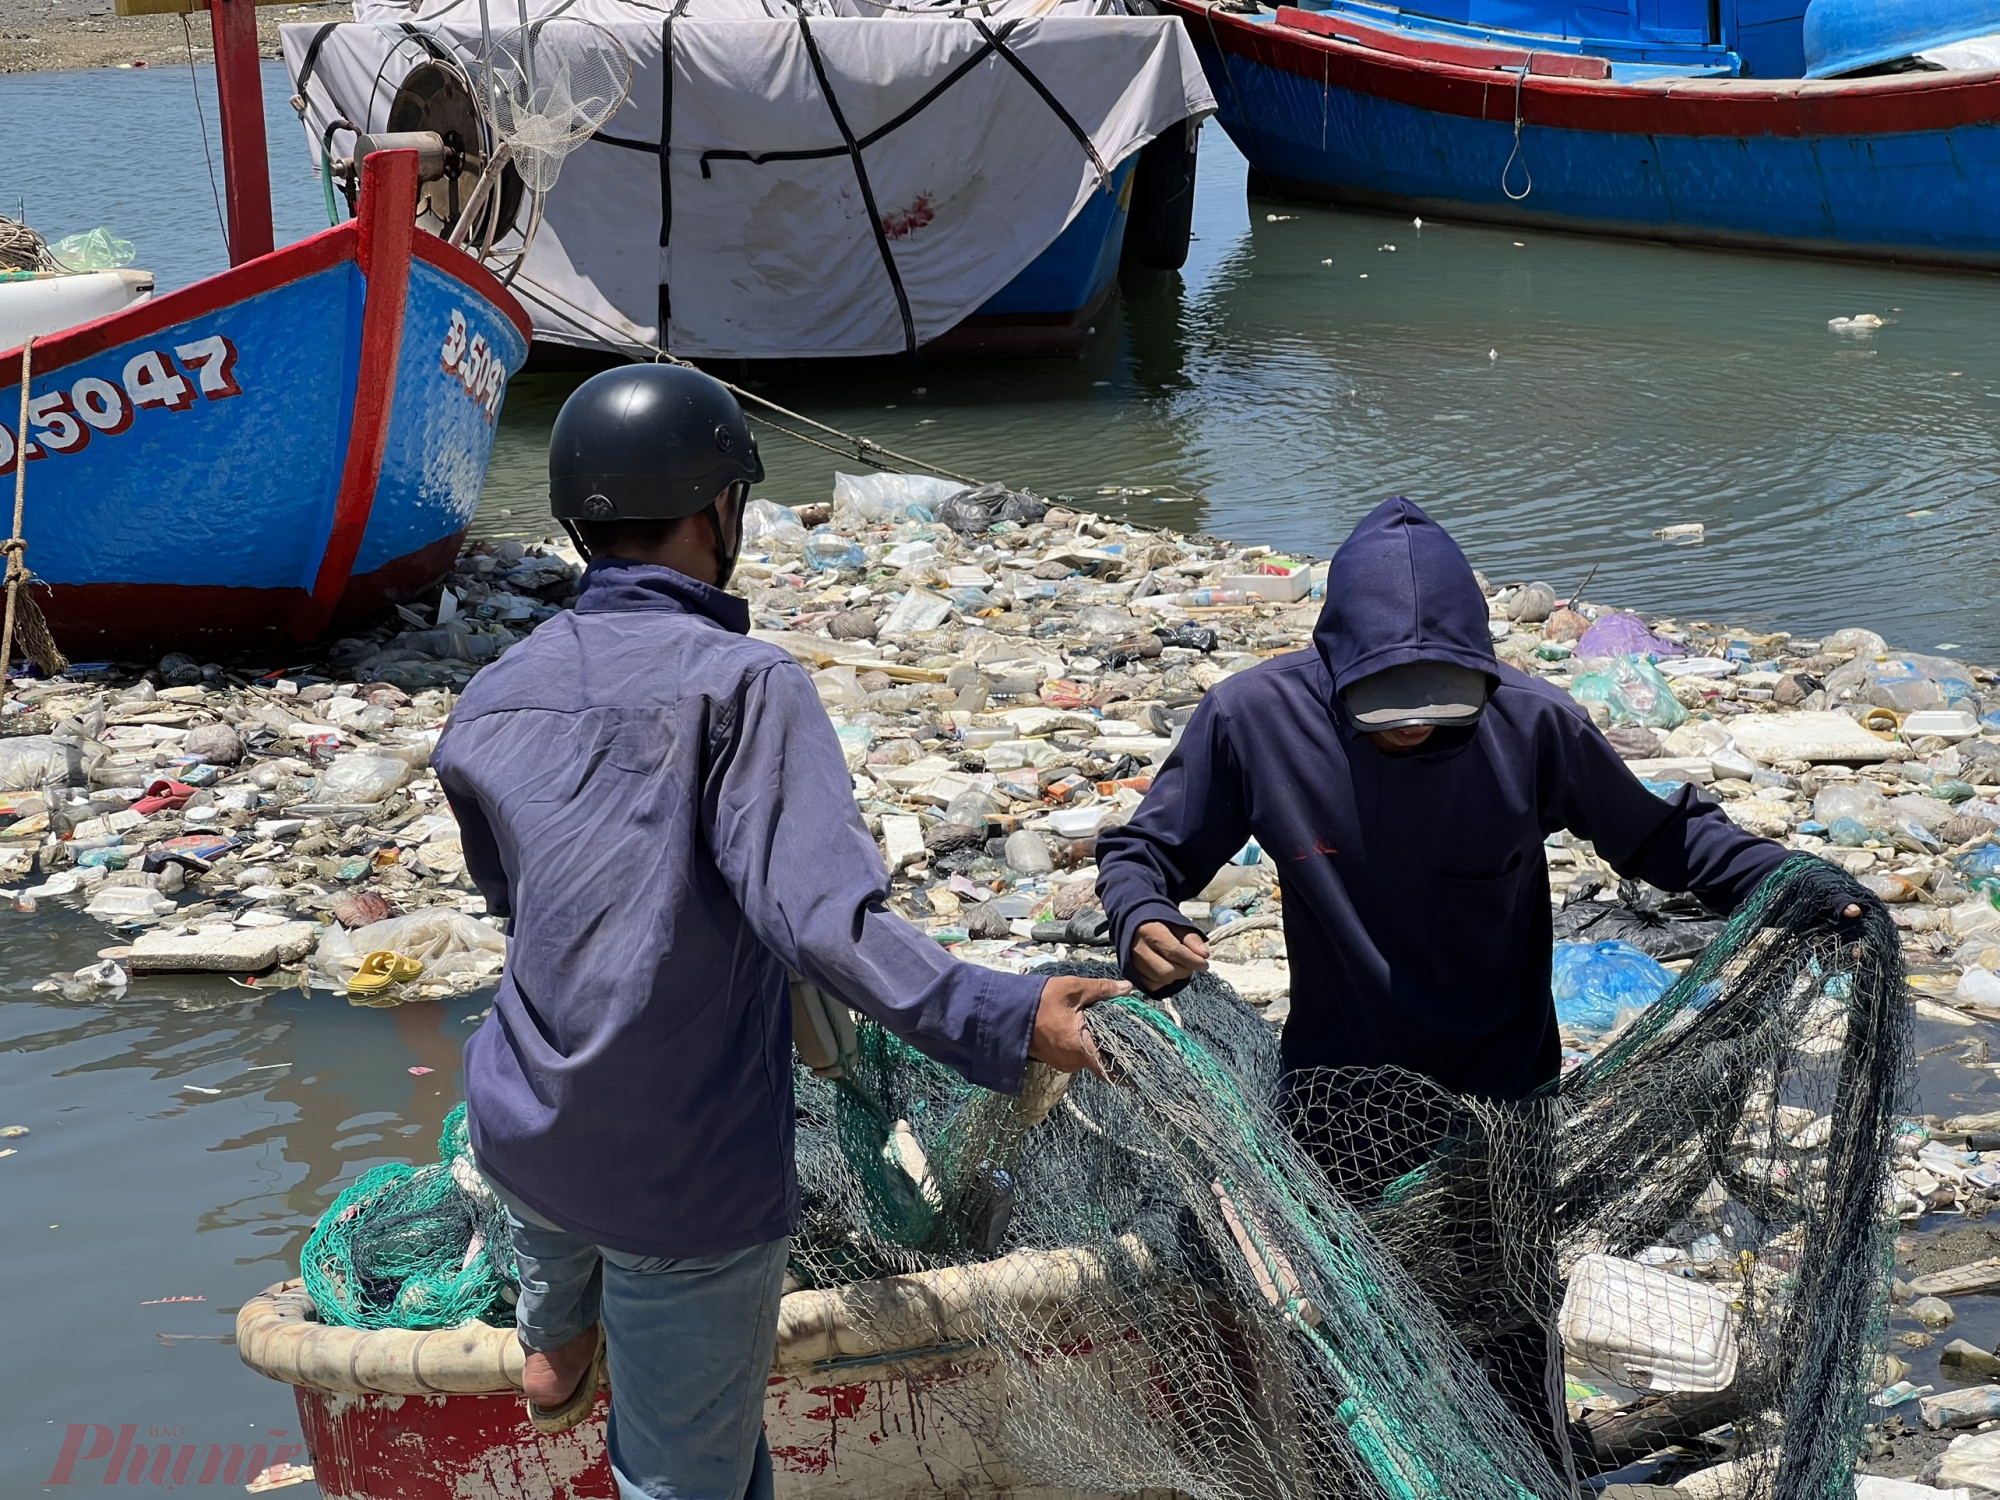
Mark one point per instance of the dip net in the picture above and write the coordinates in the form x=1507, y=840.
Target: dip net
x=1215, y=1281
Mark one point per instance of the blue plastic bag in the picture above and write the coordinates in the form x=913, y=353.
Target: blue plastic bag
x=1592, y=982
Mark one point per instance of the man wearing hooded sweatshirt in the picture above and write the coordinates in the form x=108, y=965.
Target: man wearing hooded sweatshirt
x=1402, y=780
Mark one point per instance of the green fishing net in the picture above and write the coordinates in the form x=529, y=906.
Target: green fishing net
x=1212, y=1280
x=414, y=1247
x=1220, y=1282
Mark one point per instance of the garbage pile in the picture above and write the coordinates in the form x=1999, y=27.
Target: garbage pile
x=241, y=821
x=1004, y=677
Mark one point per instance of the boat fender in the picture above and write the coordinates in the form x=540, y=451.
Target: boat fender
x=1161, y=225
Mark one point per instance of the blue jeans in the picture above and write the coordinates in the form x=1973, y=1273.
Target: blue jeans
x=689, y=1343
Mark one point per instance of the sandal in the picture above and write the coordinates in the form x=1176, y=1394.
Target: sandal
x=550, y=1420
x=380, y=970
x=164, y=796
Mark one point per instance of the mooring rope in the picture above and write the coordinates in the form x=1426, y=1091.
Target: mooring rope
x=22, y=613
x=861, y=449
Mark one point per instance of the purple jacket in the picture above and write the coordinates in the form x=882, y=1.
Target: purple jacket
x=1416, y=895
x=660, y=805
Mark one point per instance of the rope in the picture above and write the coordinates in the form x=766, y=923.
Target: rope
x=861, y=449
x=23, y=616
x=214, y=192
x=21, y=249
x=1520, y=79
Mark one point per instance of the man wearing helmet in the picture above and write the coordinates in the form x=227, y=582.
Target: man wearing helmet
x=659, y=805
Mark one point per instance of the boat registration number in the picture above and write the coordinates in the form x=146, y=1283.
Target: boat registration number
x=478, y=369
x=65, y=421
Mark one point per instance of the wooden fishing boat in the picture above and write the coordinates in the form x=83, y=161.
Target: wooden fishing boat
x=285, y=445
x=1691, y=128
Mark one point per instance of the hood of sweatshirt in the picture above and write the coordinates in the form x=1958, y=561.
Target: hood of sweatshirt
x=1399, y=590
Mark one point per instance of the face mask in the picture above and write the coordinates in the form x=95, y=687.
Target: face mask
x=726, y=555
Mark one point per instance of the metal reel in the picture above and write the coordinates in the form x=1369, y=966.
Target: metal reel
x=437, y=98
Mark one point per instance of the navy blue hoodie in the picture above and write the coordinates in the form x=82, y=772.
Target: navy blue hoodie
x=1416, y=895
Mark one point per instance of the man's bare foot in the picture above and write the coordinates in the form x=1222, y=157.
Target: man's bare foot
x=549, y=1379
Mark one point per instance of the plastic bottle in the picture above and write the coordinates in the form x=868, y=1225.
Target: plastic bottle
x=1214, y=598
x=969, y=809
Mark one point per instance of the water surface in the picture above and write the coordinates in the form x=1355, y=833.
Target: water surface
x=1555, y=399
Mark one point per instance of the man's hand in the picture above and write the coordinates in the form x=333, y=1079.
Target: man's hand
x=1060, y=1038
x=1163, y=955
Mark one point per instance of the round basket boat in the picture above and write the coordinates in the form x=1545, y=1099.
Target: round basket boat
x=867, y=1390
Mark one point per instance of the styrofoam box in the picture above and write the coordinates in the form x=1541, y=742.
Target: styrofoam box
x=1648, y=1328
x=1280, y=587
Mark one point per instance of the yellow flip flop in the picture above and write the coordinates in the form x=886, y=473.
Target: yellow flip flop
x=379, y=971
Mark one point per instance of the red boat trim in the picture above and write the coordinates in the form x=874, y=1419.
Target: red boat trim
x=1440, y=49
x=456, y=264
x=211, y=294
x=125, y=620
x=387, y=221
x=1740, y=108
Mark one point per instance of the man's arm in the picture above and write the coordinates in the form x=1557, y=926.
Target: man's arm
x=778, y=811
x=1678, y=843
x=482, y=850
x=1192, y=820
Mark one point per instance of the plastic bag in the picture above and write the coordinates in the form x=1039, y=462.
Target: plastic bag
x=840, y=691
x=1189, y=637
x=827, y=551
x=1624, y=635
x=1593, y=982
x=443, y=939
x=358, y=779
x=93, y=250
x=970, y=512
x=1676, y=928
x=868, y=499
x=917, y=611
x=1635, y=692
x=1906, y=682
x=1859, y=803
x=28, y=762
x=770, y=529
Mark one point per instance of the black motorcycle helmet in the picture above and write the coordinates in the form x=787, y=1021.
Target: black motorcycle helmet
x=649, y=443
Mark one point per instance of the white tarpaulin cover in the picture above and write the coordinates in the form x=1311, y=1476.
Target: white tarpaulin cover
x=779, y=258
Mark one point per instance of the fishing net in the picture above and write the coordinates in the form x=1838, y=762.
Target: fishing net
x=1215, y=1281
x=414, y=1247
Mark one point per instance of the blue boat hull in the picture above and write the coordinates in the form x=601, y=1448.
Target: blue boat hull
x=1047, y=309
x=268, y=452
x=1896, y=168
